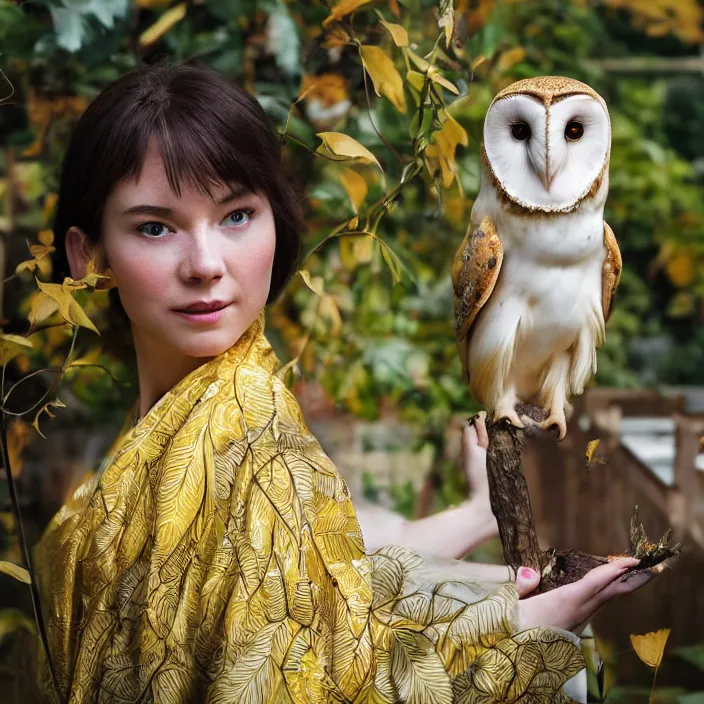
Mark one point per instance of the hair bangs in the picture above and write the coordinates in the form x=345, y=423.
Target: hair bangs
x=203, y=159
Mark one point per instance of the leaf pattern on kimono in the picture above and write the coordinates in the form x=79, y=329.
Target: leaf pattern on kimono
x=216, y=557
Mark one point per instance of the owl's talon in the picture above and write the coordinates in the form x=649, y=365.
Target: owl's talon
x=559, y=420
x=511, y=416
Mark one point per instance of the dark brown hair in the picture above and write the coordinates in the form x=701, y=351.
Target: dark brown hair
x=209, y=132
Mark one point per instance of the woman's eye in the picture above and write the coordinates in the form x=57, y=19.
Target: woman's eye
x=520, y=131
x=574, y=130
x=151, y=229
x=241, y=217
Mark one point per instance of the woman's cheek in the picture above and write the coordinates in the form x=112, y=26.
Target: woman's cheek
x=140, y=281
x=255, y=264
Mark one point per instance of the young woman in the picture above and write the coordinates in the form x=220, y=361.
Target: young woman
x=216, y=555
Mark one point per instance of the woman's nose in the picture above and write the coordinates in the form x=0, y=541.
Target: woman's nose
x=204, y=260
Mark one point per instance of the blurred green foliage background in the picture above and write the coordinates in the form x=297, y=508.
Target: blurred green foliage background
x=372, y=322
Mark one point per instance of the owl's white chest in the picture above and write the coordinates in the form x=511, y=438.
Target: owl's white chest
x=552, y=271
x=548, y=294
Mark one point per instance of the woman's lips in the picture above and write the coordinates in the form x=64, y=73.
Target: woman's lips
x=208, y=316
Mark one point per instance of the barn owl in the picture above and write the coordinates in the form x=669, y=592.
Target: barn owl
x=535, y=276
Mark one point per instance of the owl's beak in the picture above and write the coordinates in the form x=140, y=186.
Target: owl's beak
x=547, y=175
x=540, y=162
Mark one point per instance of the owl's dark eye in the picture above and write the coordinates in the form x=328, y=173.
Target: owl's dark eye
x=574, y=130
x=520, y=131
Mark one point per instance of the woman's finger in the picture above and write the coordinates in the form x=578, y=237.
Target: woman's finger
x=601, y=577
x=527, y=580
x=482, y=435
x=629, y=583
x=469, y=438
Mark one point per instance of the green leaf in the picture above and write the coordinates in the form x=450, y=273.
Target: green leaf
x=227, y=10
x=629, y=695
x=70, y=19
x=392, y=261
x=15, y=571
x=11, y=346
x=69, y=26
x=693, y=654
x=691, y=698
x=283, y=41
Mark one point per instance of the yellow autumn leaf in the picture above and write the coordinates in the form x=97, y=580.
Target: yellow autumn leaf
x=478, y=61
x=681, y=17
x=47, y=212
x=436, y=77
x=328, y=88
x=90, y=358
x=415, y=79
x=680, y=269
x=163, y=24
x=343, y=146
x=589, y=456
x=92, y=277
x=315, y=284
x=46, y=237
x=510, y=58
x=15, y=571
x=66, y=304
x=331, y=313
x=11, y=346
x=651, y=646
x=41, y=308
x=446, y=19
x=38, y=252
x=344, y=7
x=18, y=437
x=385, y=76
x=356, y=187
x=335, y=37
x=682, y=303
x=355, y=250
x=420, y=63
x=363, y=249
x=442, y=152
x=397, y=32
x=46, y=408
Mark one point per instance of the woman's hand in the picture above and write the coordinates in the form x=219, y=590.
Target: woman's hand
x=571, y=607
x=475, y=442
x=450, y=533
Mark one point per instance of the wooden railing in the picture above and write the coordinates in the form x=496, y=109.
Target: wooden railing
x=590, y=510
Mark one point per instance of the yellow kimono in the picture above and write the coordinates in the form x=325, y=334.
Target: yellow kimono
x=216, y=557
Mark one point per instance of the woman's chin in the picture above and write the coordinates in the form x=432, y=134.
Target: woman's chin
x=207, y=345
x=206, y=351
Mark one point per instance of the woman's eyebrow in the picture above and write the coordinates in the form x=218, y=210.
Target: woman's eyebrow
x=236, y=191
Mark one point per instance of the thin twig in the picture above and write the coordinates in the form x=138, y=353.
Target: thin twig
x=50, y=389
x=36, y=601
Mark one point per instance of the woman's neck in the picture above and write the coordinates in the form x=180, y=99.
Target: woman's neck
x=158, y=371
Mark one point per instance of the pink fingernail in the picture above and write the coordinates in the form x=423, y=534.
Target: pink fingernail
x=527, y=573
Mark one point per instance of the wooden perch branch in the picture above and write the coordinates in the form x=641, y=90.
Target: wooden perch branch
x=510, y=503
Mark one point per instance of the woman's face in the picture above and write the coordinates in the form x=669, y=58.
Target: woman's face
x=169, y=254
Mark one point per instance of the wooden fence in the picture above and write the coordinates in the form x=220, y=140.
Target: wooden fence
x=590, y=510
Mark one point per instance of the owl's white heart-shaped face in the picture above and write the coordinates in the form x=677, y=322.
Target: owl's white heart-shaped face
x=547, y=156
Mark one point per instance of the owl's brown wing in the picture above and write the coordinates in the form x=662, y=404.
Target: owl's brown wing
x=610, y=271
x=475, y=270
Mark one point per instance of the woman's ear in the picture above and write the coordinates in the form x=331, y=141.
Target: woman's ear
x=79, y=251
